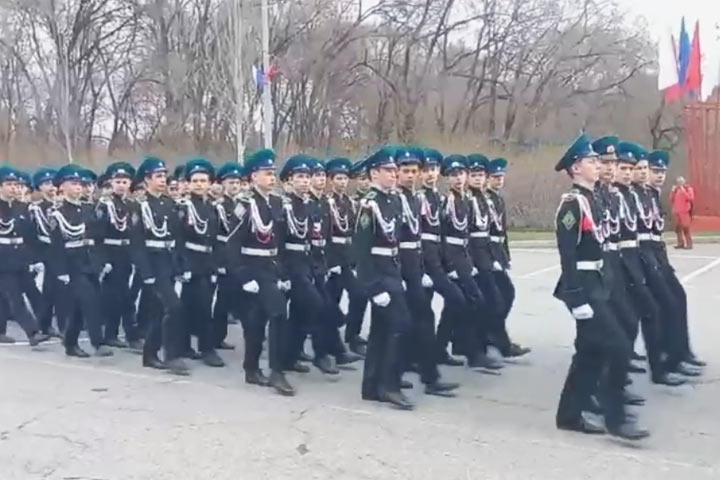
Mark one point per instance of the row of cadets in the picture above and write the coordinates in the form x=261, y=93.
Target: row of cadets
x=602, y=348
x=420, y=351
x=16, y=237
x=308, y=301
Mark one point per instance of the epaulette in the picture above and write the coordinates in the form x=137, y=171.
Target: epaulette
x=244, y=196
x=370, y=195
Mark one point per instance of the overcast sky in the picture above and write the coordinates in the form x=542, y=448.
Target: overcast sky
x=666, y=14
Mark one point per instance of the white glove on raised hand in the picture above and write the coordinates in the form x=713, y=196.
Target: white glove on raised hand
x=404, y=285
x=186, y=276
x=222, y=271
x=336, y=270
x=284, y=286
x=381, y=299
x=453, y=275
x=149, y=281
x=474, y=271
x=213, y=279
x=251, y=287
x=427, y=281
x=38, y=267
x=583, y=312
x=497, y=267
x=65, y=279
x=354, y=272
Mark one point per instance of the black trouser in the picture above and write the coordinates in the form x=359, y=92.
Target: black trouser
x=14, y=305
x=307, y=316
x=84, y=307
x=500, y=337
x=165, y=315
x=601, y=346
x=672, y=337
x=119, y=303
x=678, y=290
x=269, y=305
x=52, y=289
x=225, y=303
x=196, y=297
x=495, y=311
x=357, y=301
x=30, y=289
x=383, y=367
x=462, y=321
x=420, y=344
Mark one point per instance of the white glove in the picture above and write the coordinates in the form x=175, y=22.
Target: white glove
x=222, y=271
x=213, y=279
x=381, y=299
x=149, y=281
x=583, y=312
x=453, y=275
x=336, y=270
x=65, y=279
x=497, y=267
x=251, y=287
x=404, y=285
x=38, y=267
x=284, y=286
x=474, y=271
x=354, y=272
x=427, y=281
x=186, y=276
x=106, y=269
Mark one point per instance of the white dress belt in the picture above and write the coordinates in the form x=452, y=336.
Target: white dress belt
x=590, y=265
x=258, y=252
x=384, y=251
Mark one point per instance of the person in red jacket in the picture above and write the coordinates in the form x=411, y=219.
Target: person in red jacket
x=682, y=198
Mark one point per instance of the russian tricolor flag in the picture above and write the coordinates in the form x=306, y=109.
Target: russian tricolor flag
x=680, y=72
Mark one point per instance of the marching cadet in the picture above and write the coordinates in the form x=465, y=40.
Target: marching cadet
x=379, y=275
x=659, y=161
x=671, y=309
x=226, y=251
x=499, y=245
x=38, y=211
x=479, y=247
x=155, y=227
x=307, y=296
x=431, y=246
x=198, y=231
x=15, y=238
x=339, y=250
x=78, y=262
x=357, y=302
x=609, y=201
x=631, y=273
x=461, y=322
x=173, y=188
x=182, y=183
x=418, y=285
x=260, y=274
x=600, y=342
x=320, y=235
x=113, y=212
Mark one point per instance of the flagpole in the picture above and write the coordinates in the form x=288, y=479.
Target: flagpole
x=266, y=93
x=238, y=79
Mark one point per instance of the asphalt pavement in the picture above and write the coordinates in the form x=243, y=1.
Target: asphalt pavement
x=112, y=419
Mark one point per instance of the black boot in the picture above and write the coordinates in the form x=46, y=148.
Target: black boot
x=346, y=358
x=326, y=365
x=445, y=359
x=212, y=359
x=38, y=338
x=583, y=424
x=7, y=339
x=116, y=343
x=256, y=377
x=669, y=379
x=154, y=362
x=76, y=352
x=177, y=366
x=298, y=368
x=630, y=398
x=280, y=384
x=226, y=346
x=103, y=351
x=628, y=431
x=441, y=389
x=397, y=399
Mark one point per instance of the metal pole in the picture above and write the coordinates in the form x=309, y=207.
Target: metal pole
x=267, y=99
x=238, y=79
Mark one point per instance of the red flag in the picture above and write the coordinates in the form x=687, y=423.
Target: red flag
x=693, y=84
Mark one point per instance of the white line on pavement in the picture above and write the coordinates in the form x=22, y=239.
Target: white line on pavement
x=539, y=272
x=701, y=270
